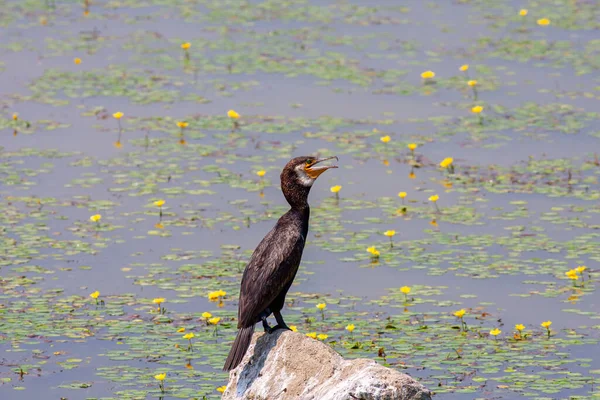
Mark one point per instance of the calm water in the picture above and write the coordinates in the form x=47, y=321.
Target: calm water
x=308, y=77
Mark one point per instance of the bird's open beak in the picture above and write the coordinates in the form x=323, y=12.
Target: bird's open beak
x=314, y=171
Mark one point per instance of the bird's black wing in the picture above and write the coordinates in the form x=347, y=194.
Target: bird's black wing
x=272, y=266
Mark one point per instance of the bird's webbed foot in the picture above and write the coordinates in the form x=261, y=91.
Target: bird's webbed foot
x=276, y=327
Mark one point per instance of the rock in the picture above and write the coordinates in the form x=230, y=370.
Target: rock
x=289, y=365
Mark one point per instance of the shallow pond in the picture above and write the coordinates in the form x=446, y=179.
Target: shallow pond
x=516, y=209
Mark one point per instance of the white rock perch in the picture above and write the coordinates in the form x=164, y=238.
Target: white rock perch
x=289, y=365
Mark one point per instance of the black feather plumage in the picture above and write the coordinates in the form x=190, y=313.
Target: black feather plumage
x=275, y=261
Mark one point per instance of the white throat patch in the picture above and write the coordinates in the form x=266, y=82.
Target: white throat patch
x=303, y=176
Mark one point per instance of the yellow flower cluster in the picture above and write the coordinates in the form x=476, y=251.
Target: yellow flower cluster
x=335, y=189
x=216, y=295
x=573, y=273
x=374, y=252
x=320, y=336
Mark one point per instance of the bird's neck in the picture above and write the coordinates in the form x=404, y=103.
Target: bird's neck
x=296, y=196
x=302, y=216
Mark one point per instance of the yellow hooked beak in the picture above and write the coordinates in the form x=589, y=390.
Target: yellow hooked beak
x=313, y=171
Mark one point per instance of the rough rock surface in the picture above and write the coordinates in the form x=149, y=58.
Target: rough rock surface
x=289, y=365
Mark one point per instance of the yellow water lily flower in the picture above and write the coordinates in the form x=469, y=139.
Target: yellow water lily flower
x=412, y=146
x=350, y=327
x=232, y=114
x=322, y=336
x=405, y=289
x=159, y=203
x=434, y=198
x=477, y=109
x=472, y=82
x=385, y=139
x=312, y=335
x=293, y=328
x=182, y=124
x=189, y=336
x=389, y=233
x=186, y=45
x=221, y=389
x=160, y=377
x=428, y=75
x=523, y=12
x=580, y=269
x=261, y=173
x=446, y=162
x=159, y=300
x=181, y=330
x=460, y=313
x=402, y=195
x=520, y=327
x=572, y=274
x=464, y=68
x=546, y=324
x=94, y=295
x=335, y=189
x=206, y=315
x=543, y=21
x=213, y=296
x=15, y=116
x=118, y=115
x=77, y=61
x=374, y=252
x=96, y=218
x=214, y=320
x=495, y=332
x=321, y=306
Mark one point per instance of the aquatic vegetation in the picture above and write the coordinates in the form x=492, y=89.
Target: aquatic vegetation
x=519, y=212
x=161, y=381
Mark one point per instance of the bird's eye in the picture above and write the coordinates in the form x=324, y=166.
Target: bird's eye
x=309, y=162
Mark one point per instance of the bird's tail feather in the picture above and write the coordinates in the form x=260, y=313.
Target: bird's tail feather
x=239, y=347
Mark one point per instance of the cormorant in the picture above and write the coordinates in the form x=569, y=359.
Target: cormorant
x=274, y=263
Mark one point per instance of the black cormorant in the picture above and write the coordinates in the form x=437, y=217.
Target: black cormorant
x=274, y=263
